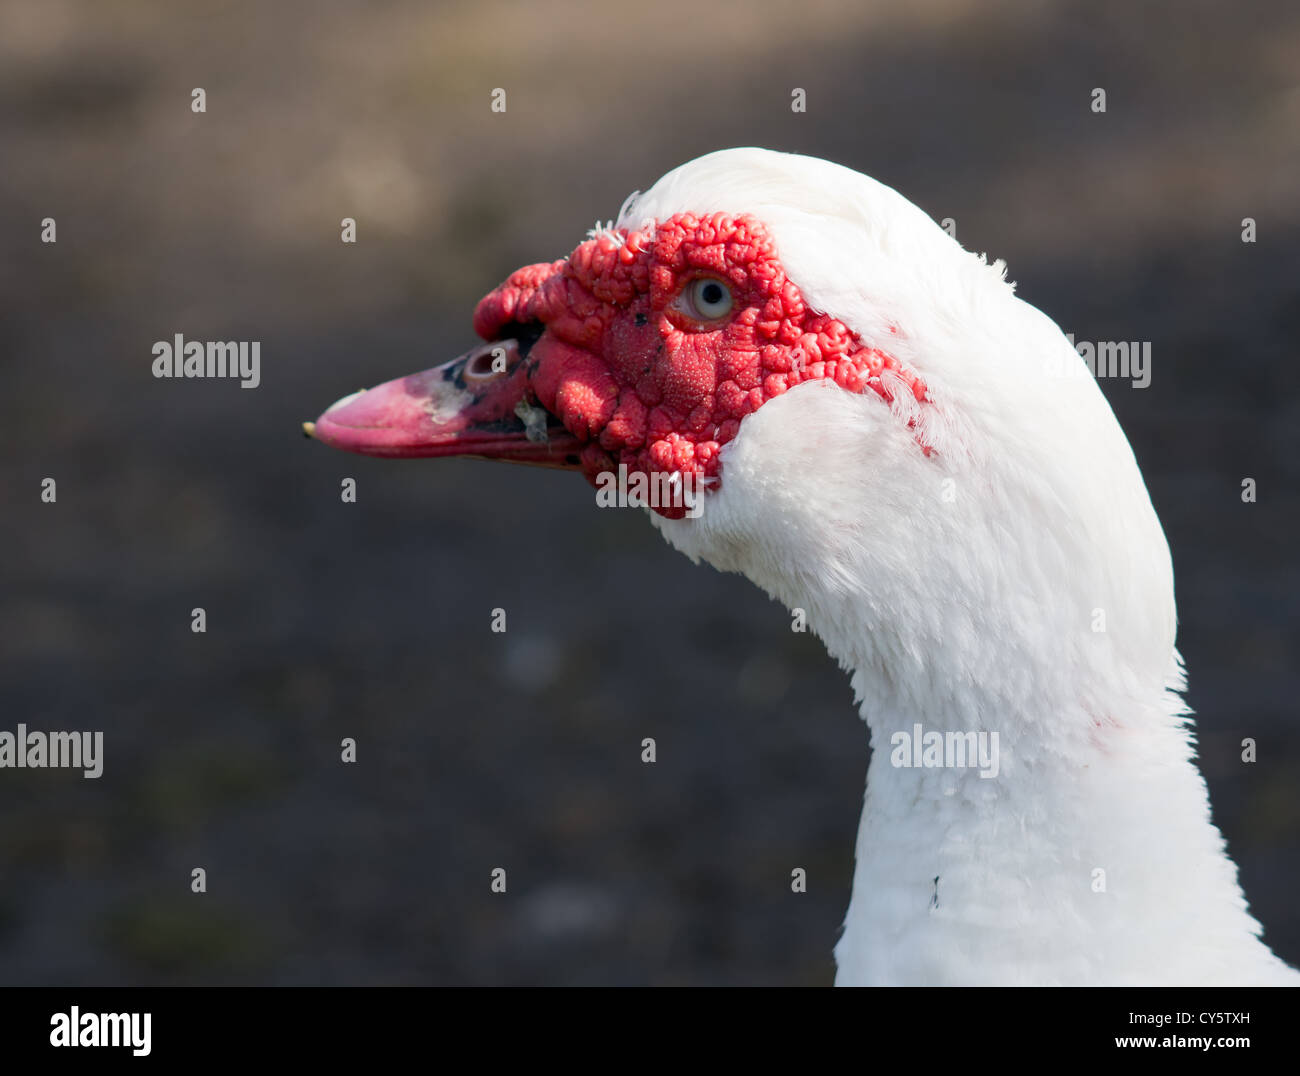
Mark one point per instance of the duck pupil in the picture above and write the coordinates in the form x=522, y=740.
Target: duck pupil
x=712, y=294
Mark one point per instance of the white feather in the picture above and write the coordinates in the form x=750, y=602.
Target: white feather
x=962, y=590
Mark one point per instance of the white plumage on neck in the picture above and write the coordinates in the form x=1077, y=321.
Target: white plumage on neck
x=964, y=590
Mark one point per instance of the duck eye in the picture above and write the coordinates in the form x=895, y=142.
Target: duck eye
x=710, y=298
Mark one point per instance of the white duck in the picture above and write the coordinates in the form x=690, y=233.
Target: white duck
x=895, y=444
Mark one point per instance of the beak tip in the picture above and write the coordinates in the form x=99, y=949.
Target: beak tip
x=309, y=429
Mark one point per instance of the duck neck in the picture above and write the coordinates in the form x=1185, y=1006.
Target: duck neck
x=999, y=847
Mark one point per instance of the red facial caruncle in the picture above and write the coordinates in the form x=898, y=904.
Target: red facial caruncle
x=659, y=342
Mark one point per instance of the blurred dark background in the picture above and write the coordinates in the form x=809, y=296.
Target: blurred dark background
x=371, y=620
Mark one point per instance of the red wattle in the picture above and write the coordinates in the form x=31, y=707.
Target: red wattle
x=624, y=368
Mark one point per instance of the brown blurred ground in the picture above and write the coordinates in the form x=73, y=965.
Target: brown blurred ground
x=371, y=620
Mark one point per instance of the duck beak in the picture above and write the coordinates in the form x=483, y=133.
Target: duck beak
x=477, y=405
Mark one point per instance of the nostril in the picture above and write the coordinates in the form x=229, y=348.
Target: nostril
x=491, y=361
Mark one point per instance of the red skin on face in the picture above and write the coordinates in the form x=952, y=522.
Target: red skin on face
x=645, y=384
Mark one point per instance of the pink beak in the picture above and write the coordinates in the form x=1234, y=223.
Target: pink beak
x=476, y=405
